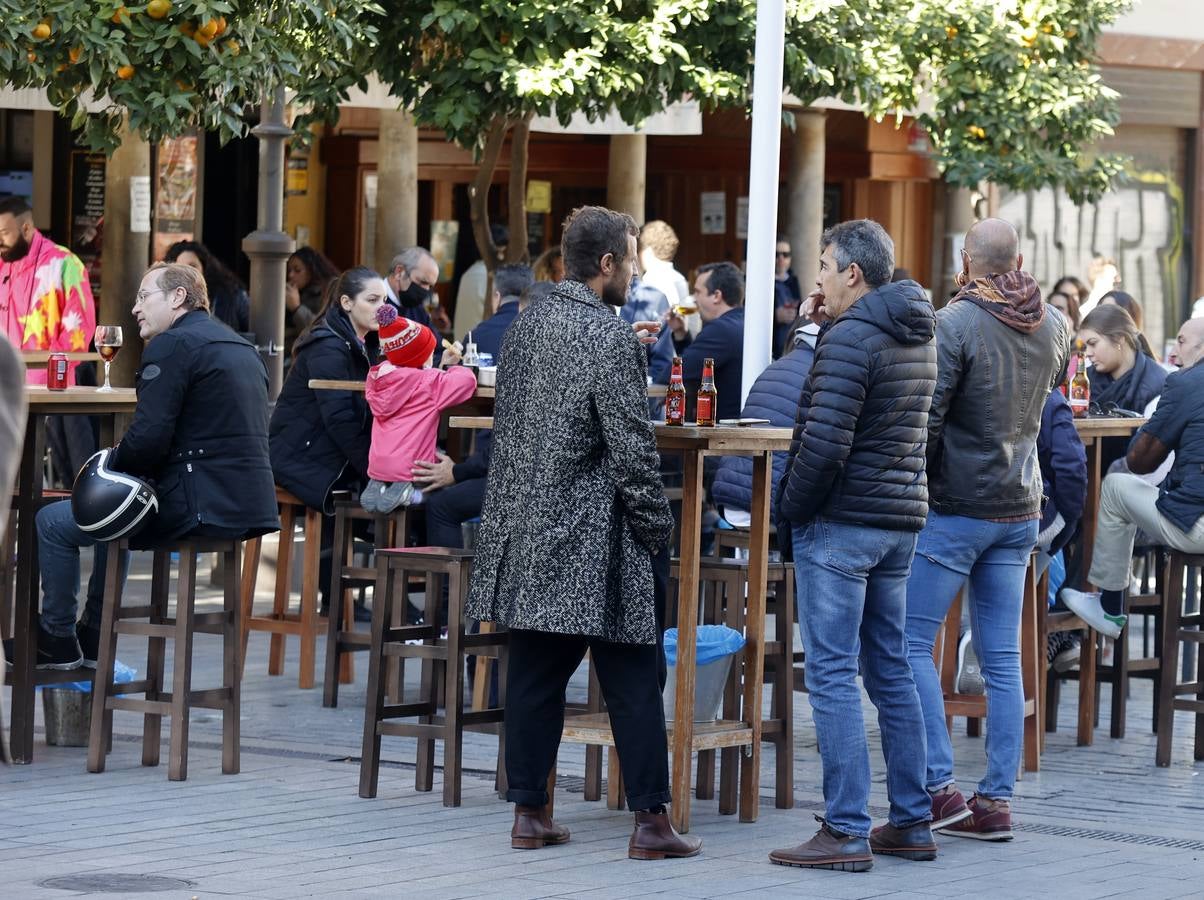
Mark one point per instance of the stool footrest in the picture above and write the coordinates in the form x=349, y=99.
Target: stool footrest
x=134, y=704
x=1195, y=706
x=407, y=711
x=415, y=651
x=146, y=629
x=354, y=640
x=1193, y=636
x=485, y=639
x=134, y=612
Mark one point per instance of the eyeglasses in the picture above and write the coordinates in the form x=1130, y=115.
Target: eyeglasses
x=1111, y=410
x=141, y=296
x=783, y=254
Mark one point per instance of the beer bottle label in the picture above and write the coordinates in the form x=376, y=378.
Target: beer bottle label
x=705, y=408
x=674, y=408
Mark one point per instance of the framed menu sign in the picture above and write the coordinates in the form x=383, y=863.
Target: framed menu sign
x=175, y=193
x=86, y=202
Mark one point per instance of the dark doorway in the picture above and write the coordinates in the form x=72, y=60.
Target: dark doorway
x=231, y=194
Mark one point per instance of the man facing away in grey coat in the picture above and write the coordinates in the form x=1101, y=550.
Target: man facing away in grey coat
x=574, y=524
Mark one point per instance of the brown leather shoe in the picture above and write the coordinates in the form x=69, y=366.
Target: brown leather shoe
x=655, y=837
x=829, y=849
x=534, y=828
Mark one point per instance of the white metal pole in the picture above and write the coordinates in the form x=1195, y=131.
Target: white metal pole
x=763, y=190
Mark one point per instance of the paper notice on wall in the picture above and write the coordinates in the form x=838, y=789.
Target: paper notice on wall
x=713, y=208
x=140, y=204
x=742, y=218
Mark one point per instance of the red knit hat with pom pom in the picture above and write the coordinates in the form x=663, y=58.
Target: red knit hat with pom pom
x=405, y=343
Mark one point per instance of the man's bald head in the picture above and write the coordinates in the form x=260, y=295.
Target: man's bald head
x=993, y=247
x=1189, y=348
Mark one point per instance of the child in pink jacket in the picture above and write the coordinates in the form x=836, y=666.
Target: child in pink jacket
x=406, y=396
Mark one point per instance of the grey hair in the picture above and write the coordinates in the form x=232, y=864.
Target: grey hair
x=409, y=258
x=865, y=242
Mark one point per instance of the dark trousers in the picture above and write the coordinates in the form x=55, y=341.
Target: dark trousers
x=449, y=507
x=631, y=676
x=72, y=441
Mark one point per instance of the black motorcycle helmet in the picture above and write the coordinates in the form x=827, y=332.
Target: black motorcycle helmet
x=108, y=505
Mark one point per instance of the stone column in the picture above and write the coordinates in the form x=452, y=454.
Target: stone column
x=124, y=254
x=396, y=186
x=626, y=174
x=268, y=246
x=805, y=194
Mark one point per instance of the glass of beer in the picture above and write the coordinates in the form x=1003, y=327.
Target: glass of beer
x=685, y=307
x=108, y=342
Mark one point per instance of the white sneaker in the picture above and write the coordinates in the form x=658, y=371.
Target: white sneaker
x=1088, y=608
x=969, y=673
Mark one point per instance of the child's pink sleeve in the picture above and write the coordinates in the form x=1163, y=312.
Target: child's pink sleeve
x=455, y=385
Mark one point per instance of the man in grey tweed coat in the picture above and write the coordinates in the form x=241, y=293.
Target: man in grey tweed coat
x=574, y=515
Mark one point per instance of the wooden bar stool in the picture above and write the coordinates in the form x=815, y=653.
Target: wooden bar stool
x=342, y=639
x=305, y=623
x=443, y=660
x=1052, y=623
x=1032, y=660
x=159, y=628
x=1180, y=627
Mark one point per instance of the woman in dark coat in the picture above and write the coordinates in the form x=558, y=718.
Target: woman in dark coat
x=319, y=438
x=228, y=300
x=308, y=275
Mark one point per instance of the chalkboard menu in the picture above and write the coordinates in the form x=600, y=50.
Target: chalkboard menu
x=87, y=205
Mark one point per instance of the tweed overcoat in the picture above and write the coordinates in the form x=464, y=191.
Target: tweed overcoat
x=574, y=506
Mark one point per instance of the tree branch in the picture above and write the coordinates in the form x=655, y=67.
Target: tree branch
x=517, y=250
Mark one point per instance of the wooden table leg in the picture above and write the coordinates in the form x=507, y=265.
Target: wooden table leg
x=687, y=627
x=754, y=648
x=1091, y=508
x=25, y=638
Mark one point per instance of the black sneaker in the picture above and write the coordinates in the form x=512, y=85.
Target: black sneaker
x=89, y=643
x=53, y=652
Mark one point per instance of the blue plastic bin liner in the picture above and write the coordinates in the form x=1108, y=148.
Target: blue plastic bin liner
x=712, y=642
x=122, y=674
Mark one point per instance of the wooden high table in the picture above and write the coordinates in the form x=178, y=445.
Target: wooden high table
x=1092, y=431
x=114, y=407
x=686, y=736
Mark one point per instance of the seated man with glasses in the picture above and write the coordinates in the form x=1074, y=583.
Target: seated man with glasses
x=786, y=296
x=199, y=432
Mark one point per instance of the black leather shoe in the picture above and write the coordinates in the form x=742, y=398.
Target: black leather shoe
x=829, y=849
x=914, y=842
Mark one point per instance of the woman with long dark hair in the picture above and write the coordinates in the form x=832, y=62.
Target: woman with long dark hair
x=307, y=274
x=1123, y=373
x=228, y=300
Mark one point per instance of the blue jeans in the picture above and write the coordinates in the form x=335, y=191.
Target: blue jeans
x=852, y=592
x=993, y=556
x=59, y=543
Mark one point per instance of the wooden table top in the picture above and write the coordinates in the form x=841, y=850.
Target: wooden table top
x=329, y=384
x=721, y=438
x=78, y=399
x=39, y=357
x=1107, y=426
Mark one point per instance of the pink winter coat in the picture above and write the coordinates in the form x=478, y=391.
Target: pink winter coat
x=405, y=406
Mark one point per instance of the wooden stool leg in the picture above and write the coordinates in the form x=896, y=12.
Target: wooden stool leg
x=231, y=666
x=177, y=765
x=374, y=705
x=250, y=573
x=593, y=752
x=310, y=562
x=1172, y=606
x=453, y=729
x=336, y=620
x=1087, y=690
x=1030, y=669
x=284, y=579
x=501, y=781
x=615, y=798
x=102, y=685
x=152, y=724
x=428, y=693
x=1120, y=679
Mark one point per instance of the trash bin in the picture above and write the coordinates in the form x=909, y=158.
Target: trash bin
x=715, y=645
x=67, y=709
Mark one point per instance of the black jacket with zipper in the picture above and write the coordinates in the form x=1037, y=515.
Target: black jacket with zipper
x=320, y=438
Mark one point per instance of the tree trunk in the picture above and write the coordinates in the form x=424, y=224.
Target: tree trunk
x=478, y=191
x=517, y=251
x=626, y=174
x=124, y=254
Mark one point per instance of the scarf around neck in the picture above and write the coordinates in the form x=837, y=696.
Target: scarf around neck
x=1014, y=298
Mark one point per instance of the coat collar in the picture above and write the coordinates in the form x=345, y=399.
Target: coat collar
x=581, y=292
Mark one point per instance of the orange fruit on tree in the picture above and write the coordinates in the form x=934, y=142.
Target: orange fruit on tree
x=209, y=29
x=158, y=9
x=188, y=29
x=120, y=16
x=125, y=73
x=234, y=47
x=31, y=56
x=74, y=54
x=221, y=26
x=201, y=38
x=41, y=31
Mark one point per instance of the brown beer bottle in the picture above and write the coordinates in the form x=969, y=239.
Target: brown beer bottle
x=708, y=397
x=675, y=397
x=1080, y=387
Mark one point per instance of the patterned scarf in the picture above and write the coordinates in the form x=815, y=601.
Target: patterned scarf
x=1014, y=298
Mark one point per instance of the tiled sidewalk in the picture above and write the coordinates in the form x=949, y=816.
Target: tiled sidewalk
x=1096, y=822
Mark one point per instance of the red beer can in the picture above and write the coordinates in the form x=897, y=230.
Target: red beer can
x=56, y=372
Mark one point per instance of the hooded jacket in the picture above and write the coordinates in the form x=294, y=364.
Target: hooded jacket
x=320, y=438
x=859, y=438
x=998, y=357
x=1063, y=460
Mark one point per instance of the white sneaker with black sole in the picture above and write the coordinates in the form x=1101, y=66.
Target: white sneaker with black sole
x=969, y=672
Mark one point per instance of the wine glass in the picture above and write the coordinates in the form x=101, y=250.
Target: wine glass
x=108, y=342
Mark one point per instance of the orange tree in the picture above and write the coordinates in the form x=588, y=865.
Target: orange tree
x=174, y=65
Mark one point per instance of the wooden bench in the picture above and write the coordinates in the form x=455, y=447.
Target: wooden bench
x=1180, y=627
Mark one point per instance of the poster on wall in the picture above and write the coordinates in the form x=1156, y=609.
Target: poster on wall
x=713, y=210
x=445, y=233
x=176, y=194
x=742, y=218
x=86, y=206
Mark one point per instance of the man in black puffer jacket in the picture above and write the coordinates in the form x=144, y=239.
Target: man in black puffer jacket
x=856, y=496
